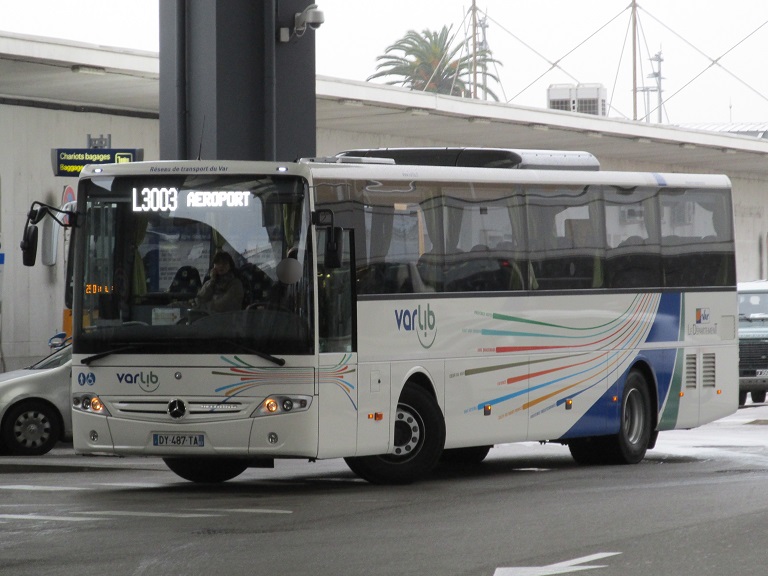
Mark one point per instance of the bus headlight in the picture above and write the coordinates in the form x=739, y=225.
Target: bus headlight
x=280, y=404
x=89, y=403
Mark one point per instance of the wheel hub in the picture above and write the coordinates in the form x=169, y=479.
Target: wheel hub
x=31, y=429
x=407, y=431
x=633, y=417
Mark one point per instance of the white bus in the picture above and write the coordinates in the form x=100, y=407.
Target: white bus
x=394, y=315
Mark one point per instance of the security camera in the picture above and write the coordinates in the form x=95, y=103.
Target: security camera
x=315, y=18
x=311, y=17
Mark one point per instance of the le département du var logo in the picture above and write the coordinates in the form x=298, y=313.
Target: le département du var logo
x=420, y=321
x=703, y=324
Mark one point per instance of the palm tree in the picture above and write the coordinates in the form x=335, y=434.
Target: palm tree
x=430, y=62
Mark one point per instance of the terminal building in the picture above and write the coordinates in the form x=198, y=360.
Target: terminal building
x=64, y=95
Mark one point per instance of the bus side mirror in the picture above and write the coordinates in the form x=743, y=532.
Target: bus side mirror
x=334, y=247
x=334, y=238
x=29, y=245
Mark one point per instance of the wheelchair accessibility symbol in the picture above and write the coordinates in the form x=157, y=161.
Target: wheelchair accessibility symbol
x=86, y=379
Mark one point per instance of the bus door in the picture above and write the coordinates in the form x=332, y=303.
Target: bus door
x=338, y=397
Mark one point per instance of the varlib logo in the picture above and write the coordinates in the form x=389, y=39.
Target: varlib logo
x=420, y=321
x=148, y=382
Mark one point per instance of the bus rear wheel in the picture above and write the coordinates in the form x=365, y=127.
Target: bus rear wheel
x=418, y=442
x=206, y=470
x=630, y=444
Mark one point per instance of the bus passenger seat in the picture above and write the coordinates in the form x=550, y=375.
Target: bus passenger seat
x=186, y=281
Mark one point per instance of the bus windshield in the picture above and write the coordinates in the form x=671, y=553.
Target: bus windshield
x=194, y=264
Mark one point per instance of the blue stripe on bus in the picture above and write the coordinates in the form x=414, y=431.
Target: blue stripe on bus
x=603, y=416
x=666, y=324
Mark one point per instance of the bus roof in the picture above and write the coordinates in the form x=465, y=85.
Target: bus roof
x=364, y=170
x=484, y=157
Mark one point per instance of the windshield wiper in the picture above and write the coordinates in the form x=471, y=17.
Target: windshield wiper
x=259, y=353
x=106, y=353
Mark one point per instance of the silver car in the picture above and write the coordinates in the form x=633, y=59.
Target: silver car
x=35, y=405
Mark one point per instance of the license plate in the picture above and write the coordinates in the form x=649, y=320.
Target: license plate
x=179, y=440
x=762, y=373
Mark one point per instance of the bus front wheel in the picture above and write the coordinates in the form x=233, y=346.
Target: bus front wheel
x=418, y=442
x=206, y=470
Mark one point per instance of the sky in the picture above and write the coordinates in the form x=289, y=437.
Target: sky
x=713, y=51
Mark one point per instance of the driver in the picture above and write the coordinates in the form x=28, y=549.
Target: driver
x=224, y=291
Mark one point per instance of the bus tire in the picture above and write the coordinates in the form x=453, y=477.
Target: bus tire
x=631, y=443
x=742, y=398
x=418, y=442
x=206, y=470
x=588, y=451
x=758, y=396
x=465, y=456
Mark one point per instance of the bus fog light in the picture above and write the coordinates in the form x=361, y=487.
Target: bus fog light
x=272, y=438
x=93, y=436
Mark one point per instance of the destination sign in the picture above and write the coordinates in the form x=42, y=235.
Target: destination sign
x=70, y=161
x=167, y=199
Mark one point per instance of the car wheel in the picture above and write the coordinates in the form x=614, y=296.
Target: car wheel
x=31, y=428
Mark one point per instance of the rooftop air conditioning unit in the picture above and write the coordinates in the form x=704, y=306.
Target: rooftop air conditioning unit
x=584, y=98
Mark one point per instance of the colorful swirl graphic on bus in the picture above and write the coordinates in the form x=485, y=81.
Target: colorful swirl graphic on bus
x=590, y=355
x=249, y=377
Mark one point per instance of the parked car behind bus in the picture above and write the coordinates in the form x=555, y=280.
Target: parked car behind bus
x=35, y=405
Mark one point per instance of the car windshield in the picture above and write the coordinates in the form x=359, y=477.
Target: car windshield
x=753, y=306
x=195, y=264
x=54, y=360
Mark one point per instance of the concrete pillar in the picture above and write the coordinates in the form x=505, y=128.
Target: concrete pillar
x=229, y=89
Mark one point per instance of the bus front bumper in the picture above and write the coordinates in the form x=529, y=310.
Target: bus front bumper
x=285, y=435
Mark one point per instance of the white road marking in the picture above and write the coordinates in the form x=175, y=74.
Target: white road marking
x=558, y=568
x=146, y=514
x=41, y=517
x=131, y=484
x=246, y=510
x=31, y=488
